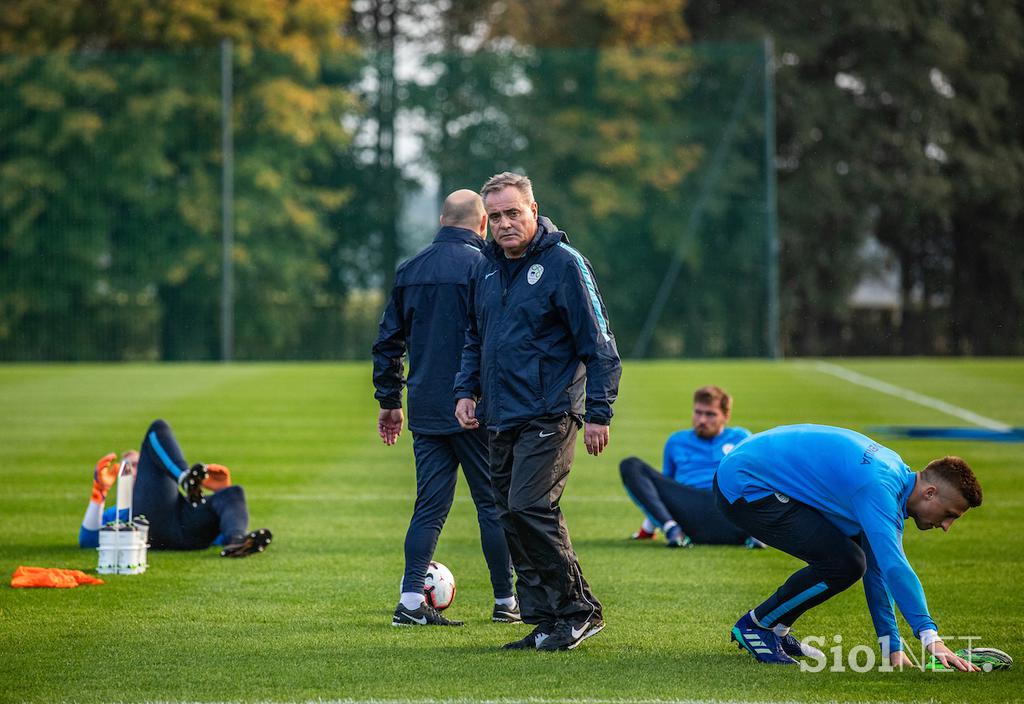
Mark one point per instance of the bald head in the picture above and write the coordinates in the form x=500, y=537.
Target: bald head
x=464, y=208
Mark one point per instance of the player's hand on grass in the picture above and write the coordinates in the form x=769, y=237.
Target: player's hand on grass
x=389, y=424
x=899, y=660
x=465, y=413
x=595, y=437
x=950, y=659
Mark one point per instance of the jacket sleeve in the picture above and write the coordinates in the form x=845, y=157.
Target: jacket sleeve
x=389, y=353
x=880, y=602
x=875, y=510
x=467, y=381
x=587, y=317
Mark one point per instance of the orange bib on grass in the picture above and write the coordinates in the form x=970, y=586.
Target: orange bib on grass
x=50, y=577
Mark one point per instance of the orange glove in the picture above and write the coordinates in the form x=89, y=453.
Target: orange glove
x=217, y=477
x=25, y=577
x=104, y=477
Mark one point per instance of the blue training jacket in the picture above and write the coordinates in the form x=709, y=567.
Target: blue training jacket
x=426, y=317
x=538, y=341
x=860, y=486
x=692, y=461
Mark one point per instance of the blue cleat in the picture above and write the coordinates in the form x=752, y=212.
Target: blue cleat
x=762, y=643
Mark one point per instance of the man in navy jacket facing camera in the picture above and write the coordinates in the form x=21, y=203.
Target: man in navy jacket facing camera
x=540, y=355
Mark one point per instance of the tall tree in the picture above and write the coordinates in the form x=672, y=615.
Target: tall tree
x=895, y=120
x=111, y=173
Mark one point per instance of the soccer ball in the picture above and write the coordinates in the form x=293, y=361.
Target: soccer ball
x=439, y=586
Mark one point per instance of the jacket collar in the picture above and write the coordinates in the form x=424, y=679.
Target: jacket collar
x=909, y=482
x=459, y=234
x=548, y=235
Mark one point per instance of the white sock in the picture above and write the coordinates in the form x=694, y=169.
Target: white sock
x=754, y=619
x=669, y=525
x=412, y=600
x=93, y=516
x=780, y=630
x=507, y=601
x=648, y=526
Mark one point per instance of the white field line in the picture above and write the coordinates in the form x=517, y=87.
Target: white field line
x=908, y=395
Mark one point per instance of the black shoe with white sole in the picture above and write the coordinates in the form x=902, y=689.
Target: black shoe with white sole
x=530, y=641
x=569, y=634
x=191, y=482
x=507, y=614
x=424, y=615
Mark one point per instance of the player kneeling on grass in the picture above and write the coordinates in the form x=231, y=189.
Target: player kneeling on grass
x=679, y=500
x=170, y=494
x=837, y=500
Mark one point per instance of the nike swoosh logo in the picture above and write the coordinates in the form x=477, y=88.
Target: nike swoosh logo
x=487, y=276
x=422, y=620
x=576, y=634
x=547, y=435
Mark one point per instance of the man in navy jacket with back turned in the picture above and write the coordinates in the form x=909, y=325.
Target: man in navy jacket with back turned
x=426, y=318
x=540, y=355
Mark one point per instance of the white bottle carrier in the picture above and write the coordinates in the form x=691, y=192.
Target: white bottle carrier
x=124, y=544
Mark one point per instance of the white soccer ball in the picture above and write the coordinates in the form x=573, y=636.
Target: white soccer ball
x=439, y=586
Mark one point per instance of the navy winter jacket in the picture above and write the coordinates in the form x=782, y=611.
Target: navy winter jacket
x=538, y=341
x=427, y=317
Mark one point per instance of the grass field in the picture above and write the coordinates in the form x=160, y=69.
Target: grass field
x=309, y=619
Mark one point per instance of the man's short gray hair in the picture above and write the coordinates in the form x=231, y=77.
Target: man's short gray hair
x=504, y=180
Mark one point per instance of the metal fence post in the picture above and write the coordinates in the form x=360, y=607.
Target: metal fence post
x=771, y=203
x=227, y=296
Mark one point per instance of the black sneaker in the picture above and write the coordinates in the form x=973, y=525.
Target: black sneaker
x=191, y=483
x=250, y=544
x=568, y=634
x=425, y=615
x=507, y=614
x=531, y=641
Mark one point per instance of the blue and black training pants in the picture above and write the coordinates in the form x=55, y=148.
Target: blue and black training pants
x=664, y=500
x=438, y=458
x=174, y=523
x=834, y=561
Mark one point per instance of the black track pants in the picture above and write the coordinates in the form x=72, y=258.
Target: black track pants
x=529, y=468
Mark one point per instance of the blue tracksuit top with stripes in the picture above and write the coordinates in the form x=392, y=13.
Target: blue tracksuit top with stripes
x=860, y=486
x=426, y=318
x=538, y=341
x=692, y=460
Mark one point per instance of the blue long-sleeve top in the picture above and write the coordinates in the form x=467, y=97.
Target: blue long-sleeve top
x=692, y=460
x=860, y=486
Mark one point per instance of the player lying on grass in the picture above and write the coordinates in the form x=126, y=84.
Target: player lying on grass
x=837, y=500
x=170, y=495
x=679, y=500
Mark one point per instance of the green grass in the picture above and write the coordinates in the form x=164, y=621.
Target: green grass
x=309, y=619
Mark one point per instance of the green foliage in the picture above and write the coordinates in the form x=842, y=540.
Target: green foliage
x=112, y=174
x=641, y=150
x=896, y=119
x=309, y=619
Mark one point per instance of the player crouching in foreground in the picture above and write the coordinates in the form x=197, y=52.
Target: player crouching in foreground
x=170, y=494
x=837, y=500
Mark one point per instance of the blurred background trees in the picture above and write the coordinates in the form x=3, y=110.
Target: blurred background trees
x=898, y=144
